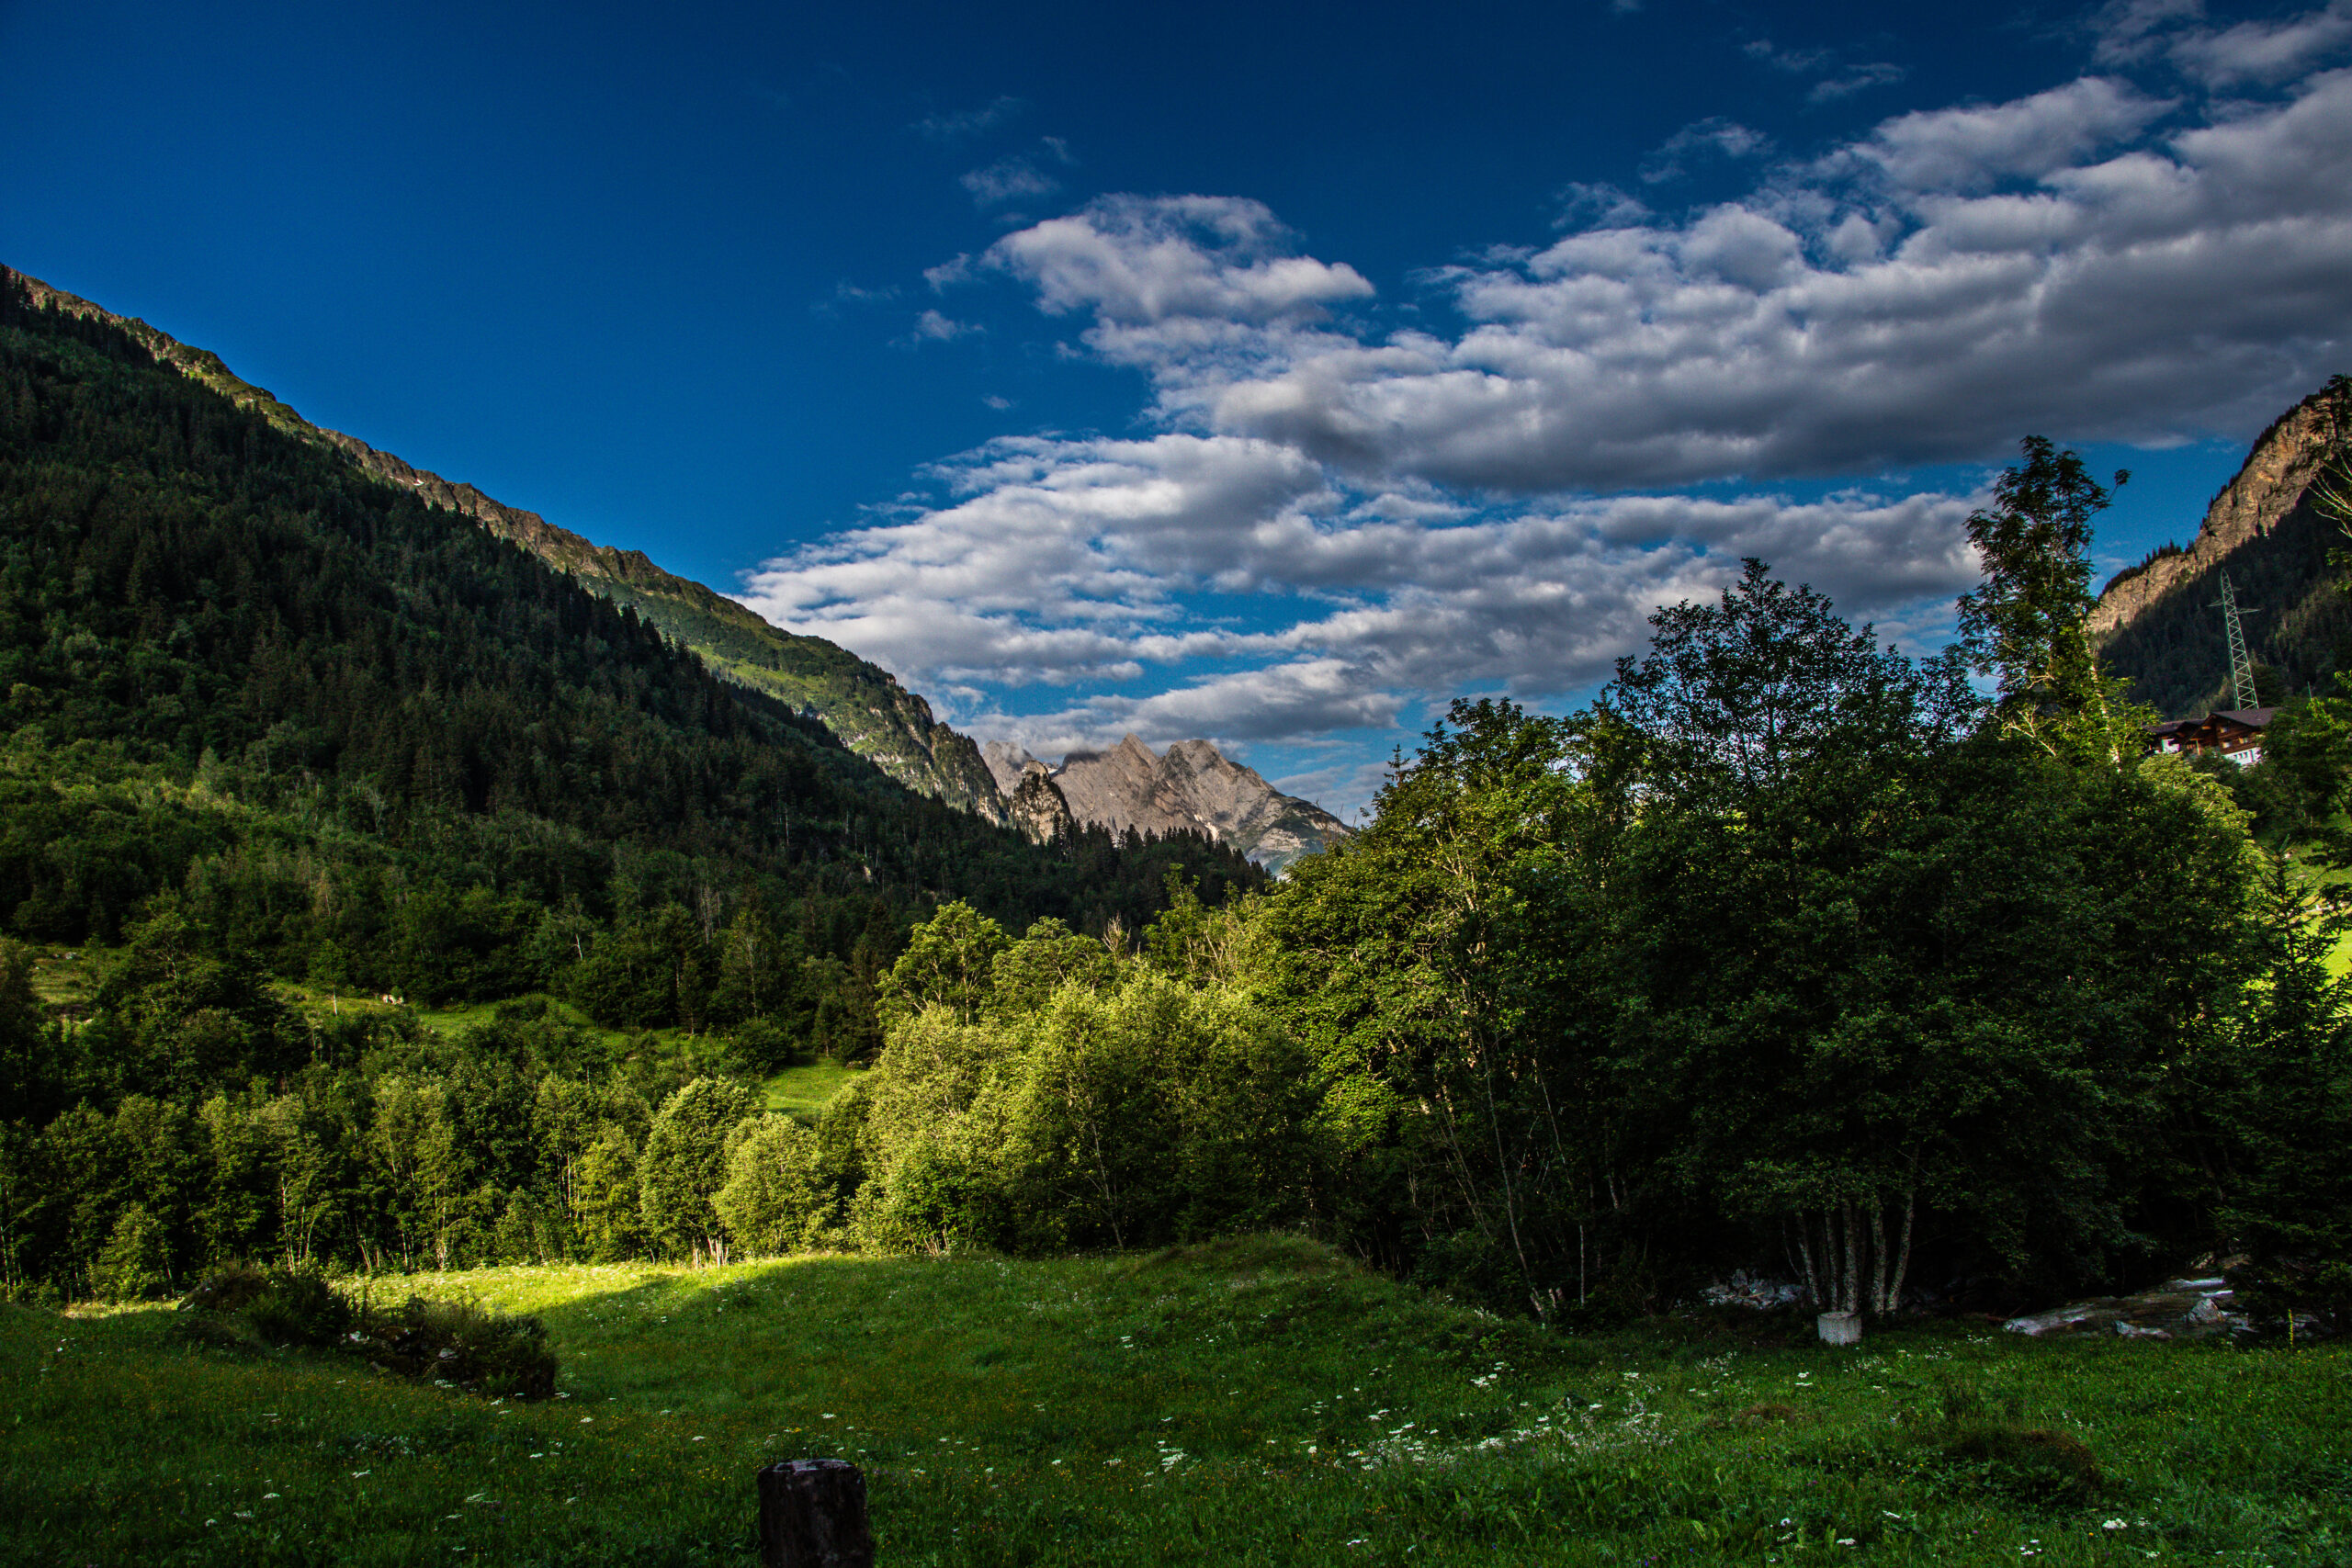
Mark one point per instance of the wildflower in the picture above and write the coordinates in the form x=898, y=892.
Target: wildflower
x=269, y=1496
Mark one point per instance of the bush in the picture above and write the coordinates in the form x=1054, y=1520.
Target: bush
x=278, y=1306
x=299, y=1309
x=230, y=1290
x=449, y=1344
x=459, y=1345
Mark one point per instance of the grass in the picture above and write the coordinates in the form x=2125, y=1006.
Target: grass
x=804, y=1092
x=1255, y=1402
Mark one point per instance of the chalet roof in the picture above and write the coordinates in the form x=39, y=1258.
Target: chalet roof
x=2252, y=719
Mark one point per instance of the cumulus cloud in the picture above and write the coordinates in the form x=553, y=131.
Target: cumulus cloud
x=2089, y=259
x=1854, y=79
x=2250, y=52
x=1836, y=80
x=933, y=327
x=1069, y=562
x=1327, y=524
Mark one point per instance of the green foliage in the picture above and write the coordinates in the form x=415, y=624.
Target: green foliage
x=779, y=1196
x=135, y=1264
x=1775, y=953
x=272, y=723
x=685, y=1163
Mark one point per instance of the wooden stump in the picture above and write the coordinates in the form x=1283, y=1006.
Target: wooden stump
x=1840, y=1327
x=812, y=1514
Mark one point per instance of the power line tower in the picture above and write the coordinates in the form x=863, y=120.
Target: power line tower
x=2240, y=661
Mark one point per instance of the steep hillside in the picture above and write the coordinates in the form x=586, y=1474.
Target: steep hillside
x=2156, y=623
x=1192, y=788
x=862, y=703
x=330, y=726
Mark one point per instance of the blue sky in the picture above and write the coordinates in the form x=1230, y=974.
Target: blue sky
x=1268, y=373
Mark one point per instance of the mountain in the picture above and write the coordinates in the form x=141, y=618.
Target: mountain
x=862, y=703
x=2156, y=623
x=1191, y=788
x=308, y=720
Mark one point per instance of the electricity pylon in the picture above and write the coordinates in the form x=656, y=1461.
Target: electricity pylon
x=2240, y=661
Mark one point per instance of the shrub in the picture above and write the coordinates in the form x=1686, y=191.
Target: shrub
x=299, y=1309
x=278, y=1306
x=229, y=1289
x=459, y=1345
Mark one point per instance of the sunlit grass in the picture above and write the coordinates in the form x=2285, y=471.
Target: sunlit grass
x=804, y=1092
x=1255, y=1402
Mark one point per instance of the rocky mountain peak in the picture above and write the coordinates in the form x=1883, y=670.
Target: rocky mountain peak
x=1191, y=787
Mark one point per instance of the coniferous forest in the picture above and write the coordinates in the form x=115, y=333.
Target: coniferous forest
x=1898, y=978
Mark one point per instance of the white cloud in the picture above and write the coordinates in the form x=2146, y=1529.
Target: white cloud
x=1329, y=525
x=1067, y=562
x=1795, y=62
x=1928, y=292
x=1008, y=180
x=1842, y=82
x=2264, y=51
x=933, y=327
x=1716, y=138
x=2250, y=52
x=1855, y=79
x=1136, y=261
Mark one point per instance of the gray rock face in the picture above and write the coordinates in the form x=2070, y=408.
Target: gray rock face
x=1005, y=763
x=1191, y=788
x=1038, y=807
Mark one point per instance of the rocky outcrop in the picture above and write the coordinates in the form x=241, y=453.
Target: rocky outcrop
x=2285, y=460
x=861, y=703
x=2159, y=625
x=1039, y=809
x=1006, y=762
x=1191, y=788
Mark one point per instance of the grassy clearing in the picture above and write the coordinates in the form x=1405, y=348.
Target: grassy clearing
x=1255, y=1402
x=804, y=1092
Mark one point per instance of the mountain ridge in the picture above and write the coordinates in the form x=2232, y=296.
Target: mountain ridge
x=865, y=705
x=1190, y=787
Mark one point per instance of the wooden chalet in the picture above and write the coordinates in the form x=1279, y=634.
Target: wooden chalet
x=2235, y=733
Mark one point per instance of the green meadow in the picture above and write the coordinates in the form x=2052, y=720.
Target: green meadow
x=1260, y=1401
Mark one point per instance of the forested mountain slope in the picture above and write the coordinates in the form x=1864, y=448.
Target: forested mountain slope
x=379, y=747
x=2158, y=624
x=862, y=703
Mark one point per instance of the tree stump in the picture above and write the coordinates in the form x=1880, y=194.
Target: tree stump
x=1840, y=1327
x=812, y=1514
